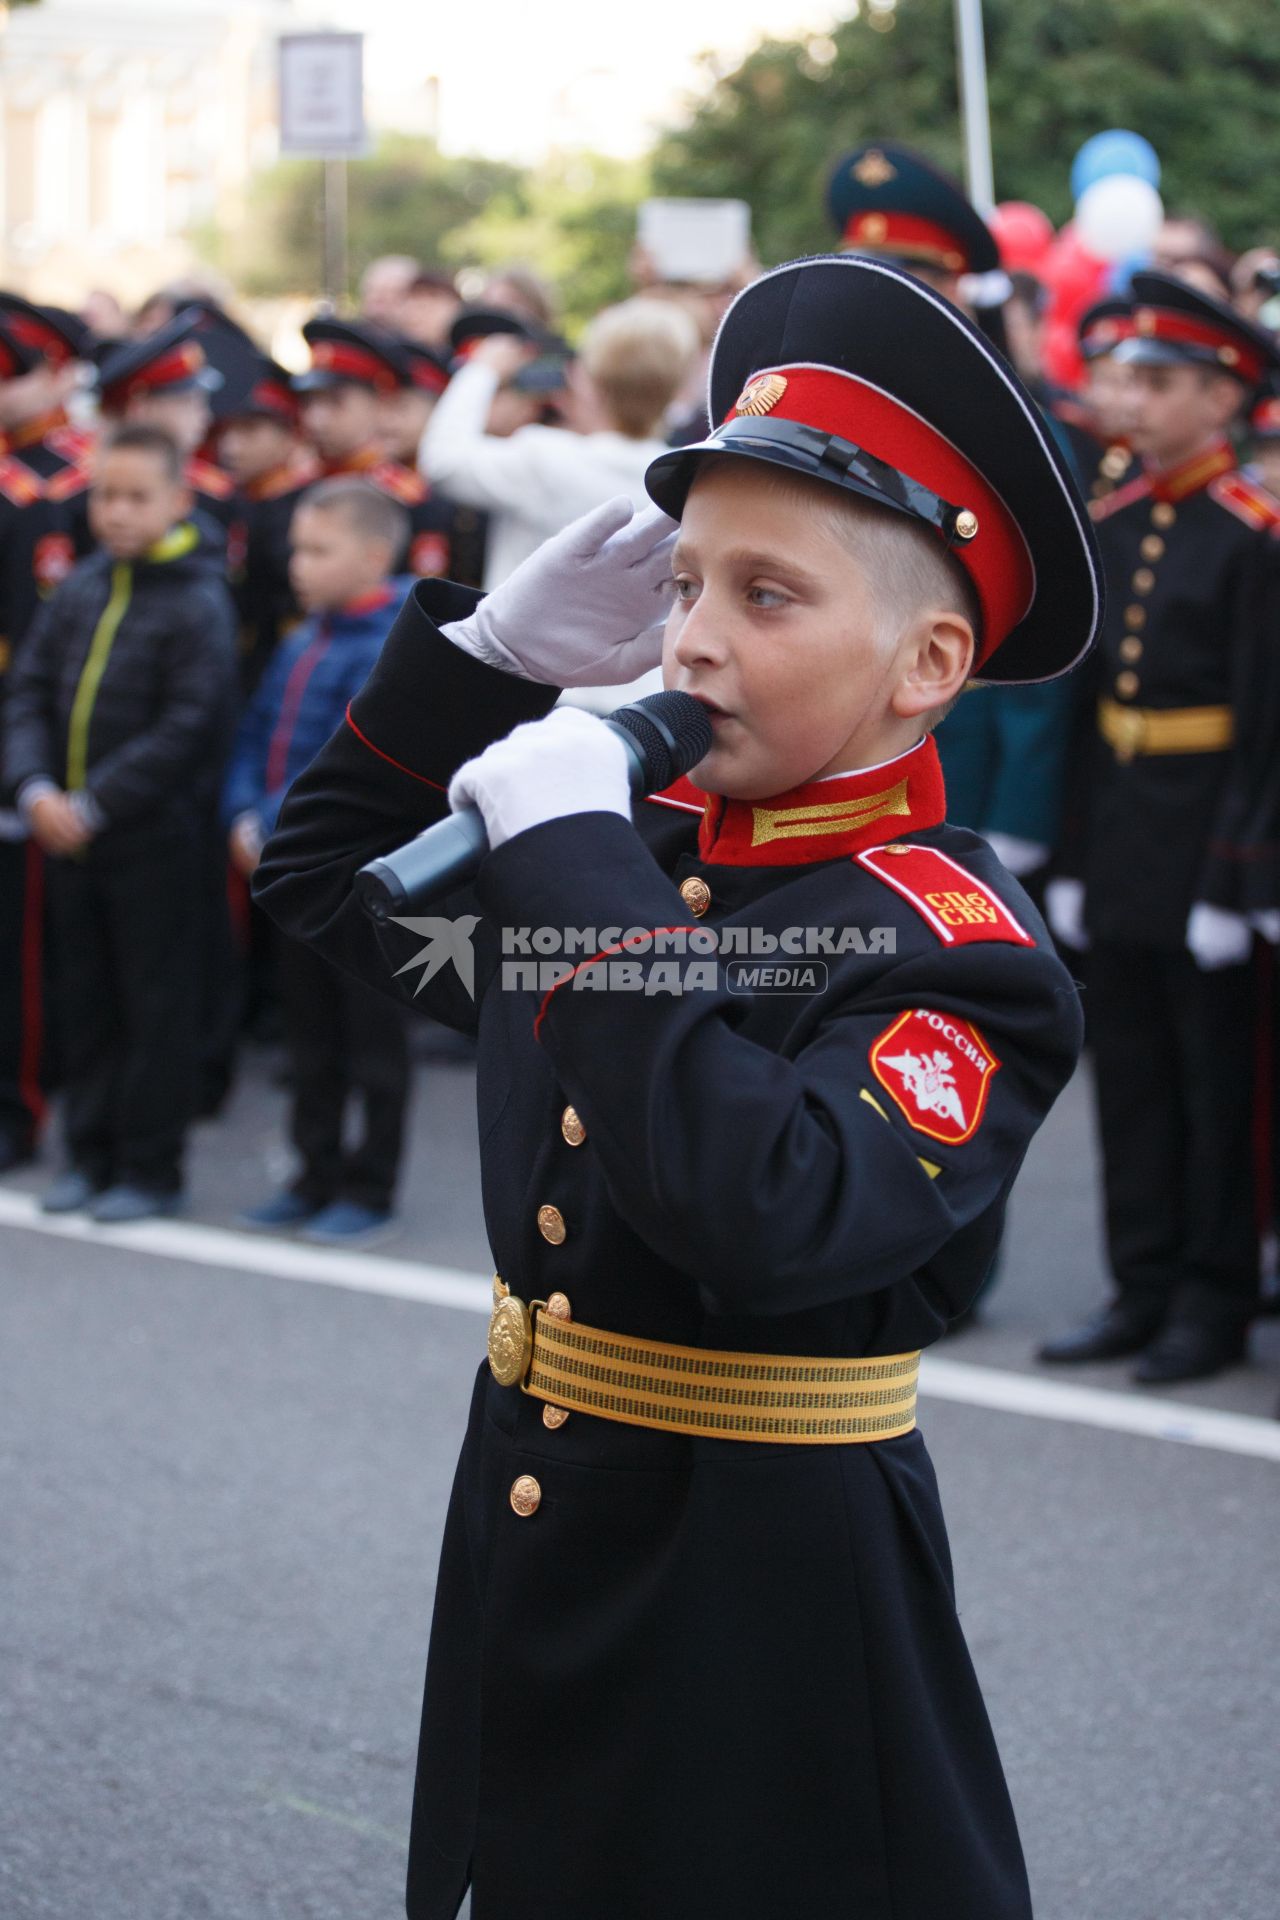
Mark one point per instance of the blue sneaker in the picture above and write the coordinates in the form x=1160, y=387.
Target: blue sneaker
x=70, y=1192
x=345, y=1224
x=283, y=1209
x=122, y=1204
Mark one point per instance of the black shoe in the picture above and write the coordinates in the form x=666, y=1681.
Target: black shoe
x=1189, y=1350
x=1118, y=1330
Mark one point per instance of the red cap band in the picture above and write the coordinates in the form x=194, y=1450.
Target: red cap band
x=430, y=378
x=349, y=362
x=268, y=396
x=996, y=557
x=1107, y=332
x=180, y=364
x=1233, y=353
x=907, y=236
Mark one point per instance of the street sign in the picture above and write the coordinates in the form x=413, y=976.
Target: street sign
x=322, y=94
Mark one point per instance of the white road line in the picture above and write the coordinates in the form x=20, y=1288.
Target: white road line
x=977, y=1386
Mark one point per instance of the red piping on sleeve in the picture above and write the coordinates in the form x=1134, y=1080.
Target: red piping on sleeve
x=399, y=765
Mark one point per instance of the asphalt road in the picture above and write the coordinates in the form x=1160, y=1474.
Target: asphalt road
x=222, y=1493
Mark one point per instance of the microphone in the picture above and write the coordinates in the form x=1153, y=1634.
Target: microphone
x=665, y=734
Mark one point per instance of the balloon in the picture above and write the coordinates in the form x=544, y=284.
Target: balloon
x=1110, y=153
x=1023, y=234
x=1060, y=354
x=1120, y=275
x=1073, y=275
x=1118, y=215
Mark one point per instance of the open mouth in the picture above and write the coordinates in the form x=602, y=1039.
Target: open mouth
x=715, y=712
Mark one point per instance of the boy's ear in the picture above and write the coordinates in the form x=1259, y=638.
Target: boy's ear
x=937, y=655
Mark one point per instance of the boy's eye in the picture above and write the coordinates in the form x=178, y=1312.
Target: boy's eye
x=766, y=596
x=685, y=590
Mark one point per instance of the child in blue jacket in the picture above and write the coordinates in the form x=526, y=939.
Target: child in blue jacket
x=342, y=1036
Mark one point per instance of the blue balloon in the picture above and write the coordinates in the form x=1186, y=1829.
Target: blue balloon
x=1114, y=152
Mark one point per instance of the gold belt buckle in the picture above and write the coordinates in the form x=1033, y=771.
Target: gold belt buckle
x=511, y=1336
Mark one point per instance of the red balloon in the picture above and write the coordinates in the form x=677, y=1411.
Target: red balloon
x=1060, y=353
x=1023, y=234
x=1074, y=276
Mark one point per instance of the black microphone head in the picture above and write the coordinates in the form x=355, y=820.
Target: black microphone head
x=672, y=732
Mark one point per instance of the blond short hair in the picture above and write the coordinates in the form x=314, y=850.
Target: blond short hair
x=639, y=355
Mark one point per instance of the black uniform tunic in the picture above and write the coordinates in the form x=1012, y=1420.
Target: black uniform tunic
x=705, y=1678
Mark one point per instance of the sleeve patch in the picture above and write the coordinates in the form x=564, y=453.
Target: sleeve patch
x=937, y=1070
x=429, y=554
x=955, y=904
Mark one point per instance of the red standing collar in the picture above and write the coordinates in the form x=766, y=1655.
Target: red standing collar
x=823, y=819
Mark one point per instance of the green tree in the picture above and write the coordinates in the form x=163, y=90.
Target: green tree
x=573, y=220
x=1200, y=81
x=405, y=197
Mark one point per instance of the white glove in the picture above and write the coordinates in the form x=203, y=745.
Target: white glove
x=1017, y=855
x=1064, y=910
x=571, y=762
x=587, y=608
x=1267, y=923
x=1217, y=939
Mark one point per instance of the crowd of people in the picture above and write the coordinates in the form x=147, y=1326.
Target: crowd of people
x=201, y=554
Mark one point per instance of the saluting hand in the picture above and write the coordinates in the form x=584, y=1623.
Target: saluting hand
x=586, y=609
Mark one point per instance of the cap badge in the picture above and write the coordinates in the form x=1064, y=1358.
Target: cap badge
x=1145, y=320
x=1228, y=356
x=873, y=170
x=761, y=395
x=872, y=227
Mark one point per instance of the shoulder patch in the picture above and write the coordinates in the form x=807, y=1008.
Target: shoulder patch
x=73, y=443
x=400, y=482
x=959, y=908
x=1126, y=496
x=18, y=484
x=1246, y=499
x=937, y=1070
x=206, y=478
x=67, y=484
x=429, y=554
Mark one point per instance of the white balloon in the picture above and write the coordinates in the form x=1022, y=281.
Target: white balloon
x=1118, y=215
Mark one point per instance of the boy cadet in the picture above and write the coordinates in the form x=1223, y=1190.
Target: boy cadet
x=1171, y=992
x=353, y=367
x=260, y=445
x=695, y=1649
x=165, y=380
x=33, y=556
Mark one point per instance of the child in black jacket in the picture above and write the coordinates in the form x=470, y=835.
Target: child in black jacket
x=117, y=727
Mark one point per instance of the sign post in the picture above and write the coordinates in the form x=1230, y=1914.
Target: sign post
x=322, y=115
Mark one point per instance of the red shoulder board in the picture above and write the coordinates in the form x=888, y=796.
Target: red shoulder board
x=67, y=484
x=937, y=1070
x=18, y=484
x=682, y=794
x=72, y=443
x=206, y=478
x=1108, y=503
x=1246, y=499
x=946, y=895
x=400, y=482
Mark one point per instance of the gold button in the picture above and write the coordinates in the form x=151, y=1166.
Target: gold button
x=1135, y=616
x=1163, y=514
x=966, y=524
x=696, y=895
x=526, y=1496
x=896, y=846
x=558, y=1307
x=551, y=1225
x=572, y=1128
x=1115, y=461
x=1152, y=546
x=1127, y=685
x=554, y=1417
x=1130, y=647
x=1143, y=580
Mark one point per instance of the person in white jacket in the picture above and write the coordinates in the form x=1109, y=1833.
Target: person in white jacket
x=633, y=361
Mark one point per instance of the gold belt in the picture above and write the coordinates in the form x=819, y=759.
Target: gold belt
x=1133, y=730
x=788, y=1397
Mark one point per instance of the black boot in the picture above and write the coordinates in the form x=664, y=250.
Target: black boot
x=1122, y=1328
x=1189, y=1350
